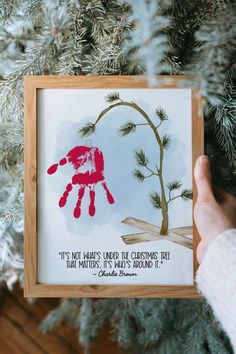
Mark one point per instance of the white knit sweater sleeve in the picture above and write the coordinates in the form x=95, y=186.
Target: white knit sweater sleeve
x=216, y=280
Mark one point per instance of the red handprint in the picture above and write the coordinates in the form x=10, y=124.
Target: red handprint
x=79, y=156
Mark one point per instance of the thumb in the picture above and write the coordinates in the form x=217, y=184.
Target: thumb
x=202, y=175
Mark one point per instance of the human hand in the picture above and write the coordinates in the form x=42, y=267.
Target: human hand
x=211, y=216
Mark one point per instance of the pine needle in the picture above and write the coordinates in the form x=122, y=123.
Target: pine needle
x=140, y=157
x=127, y=128
x=161, y=114
x=112, y=97
x=138, y=175
x=174, y=185
x=166, y=140
x=155, y=199
x=87, y=130
x=186, y=194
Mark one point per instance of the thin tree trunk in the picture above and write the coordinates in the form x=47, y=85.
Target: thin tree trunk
x=165, y=222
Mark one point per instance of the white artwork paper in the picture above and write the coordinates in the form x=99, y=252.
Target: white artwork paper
x=90, y=249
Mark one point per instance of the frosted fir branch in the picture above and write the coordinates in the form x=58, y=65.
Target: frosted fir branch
x=14, y=213
x=99, y=21
x=155, y=320
x=16, y=33
x=12, y=135
x=106, y=20
x=11, y=229
x=56, y=21
x=85, y=319
x=32, y=62
x=70, y=61
x=10, y=158
x=108, y=56
x=95, y=7
x=15, y=170
x=93, y=315
x=39, y=57
x=6, y=7
x=147, y=39
x=123, y=313
x=186, y=17
x=11, y=101
x=103, y=310
x=11, y=150
x=225, y=130
x=217, y=40
x=33, y=9
x=67, y=310
x=19, y=25
x=216, y=72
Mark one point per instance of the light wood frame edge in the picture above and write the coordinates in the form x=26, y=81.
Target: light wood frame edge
x=31, y=287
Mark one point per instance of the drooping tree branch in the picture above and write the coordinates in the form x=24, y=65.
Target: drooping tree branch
x=86, y=131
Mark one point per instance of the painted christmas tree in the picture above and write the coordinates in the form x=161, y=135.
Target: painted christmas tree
x=146, y=170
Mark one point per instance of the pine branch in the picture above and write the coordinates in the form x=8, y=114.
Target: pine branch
x=6, y=7
x=141, y=158
x=224, y=126
x=55, y=317
x=174, y=185
x=217, y=38
x=155, y=200
x=109, y=28
x=112, y=97
x=138, y=175
x=87, y=130
x=161, y=114
x=69, y=62
x=14, y=212
x=129, y=127
x=166, y=140
x=107, y=37
x=186, y=194
x=148, y=44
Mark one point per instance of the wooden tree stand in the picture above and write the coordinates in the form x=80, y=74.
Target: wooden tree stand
x=180, y=235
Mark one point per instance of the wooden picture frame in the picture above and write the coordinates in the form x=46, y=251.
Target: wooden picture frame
x=32, y=288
